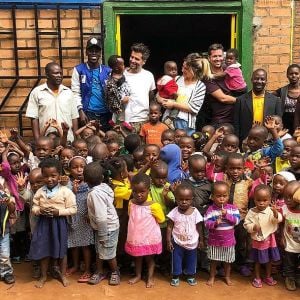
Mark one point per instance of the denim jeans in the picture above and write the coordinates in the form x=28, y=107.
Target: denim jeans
x=5, y=264
x=182, y=124
x=102, y=118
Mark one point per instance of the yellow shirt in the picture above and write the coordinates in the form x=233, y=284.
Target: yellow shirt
x=258, y=108
x=122, y=192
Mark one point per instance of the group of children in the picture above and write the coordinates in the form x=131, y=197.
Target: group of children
x=170, y=200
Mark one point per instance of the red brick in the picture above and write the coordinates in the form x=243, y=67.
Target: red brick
x=280, y=12
x=70, y=23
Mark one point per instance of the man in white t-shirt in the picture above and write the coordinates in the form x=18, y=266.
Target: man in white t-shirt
x=142, y=86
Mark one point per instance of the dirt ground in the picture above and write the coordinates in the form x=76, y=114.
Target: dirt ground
x=24, y=289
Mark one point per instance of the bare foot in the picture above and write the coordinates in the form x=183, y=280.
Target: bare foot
x=150, y=283
x=134, y=280
x=210, y=281
x=40, y=283
x=228, y=281
x=71, y=271
x=65, y=281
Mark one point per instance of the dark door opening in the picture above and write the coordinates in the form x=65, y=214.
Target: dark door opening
x=172, y=37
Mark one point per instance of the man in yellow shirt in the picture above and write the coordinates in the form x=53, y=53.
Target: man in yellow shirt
x=253, y=107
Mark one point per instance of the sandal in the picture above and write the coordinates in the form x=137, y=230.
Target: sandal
x=114, y=278
x=96, y=278
x=270, y=281
x=191, y=281
x=257, y=283
x=85, y=277
x=174, y=282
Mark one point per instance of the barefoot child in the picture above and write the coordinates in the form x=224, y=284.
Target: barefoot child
x=220, y=220
x=184, y=235
x=52, y=203
x=143, y=236
x=262, y=222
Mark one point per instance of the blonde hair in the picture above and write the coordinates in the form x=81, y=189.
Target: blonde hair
x=199, y=65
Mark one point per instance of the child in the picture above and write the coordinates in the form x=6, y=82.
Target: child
x=100, y=153
x=171, y=154
x=200, y=140
x=7, y=207
x=150, y=157
x=215, y=169
x=262, y=222
x=257, y=137
x=187, y=147
x=131, y=142
x=295, y=161
x=239, y=188
x=117, y=89
x=234, y=79
x=151, y=131
x=167, y=88
x=138, y=158
x=52, y=203
x=168, y=137
x=104, y=220
x=220, y=220
x=113, y=149
x=184, y=235
x=143, y=236
x=65, y=156
x=208, y=130
x=80, y=233
x=291, y=214
x=81, y=149
x=282, y=162
x=179, y=133
x=283, y=133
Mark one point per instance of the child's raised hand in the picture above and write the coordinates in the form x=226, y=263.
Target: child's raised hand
x=65, y=127
x=270, y=123
x=48, y=123
x=283, y=132
x=64, y=180
x=170, y=246
x=256, y=123
x=21, y=180
x=166, y=190
x=54, y=123
x=219, y=132
x=14, y=132
x=76, y=183
x=174, y=186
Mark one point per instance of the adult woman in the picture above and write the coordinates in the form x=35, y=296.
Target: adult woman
x=289, y=95
x=191, y=92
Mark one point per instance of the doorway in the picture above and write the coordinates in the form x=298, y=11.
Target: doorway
x=172, y=37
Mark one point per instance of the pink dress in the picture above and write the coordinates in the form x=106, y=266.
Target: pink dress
x=143, y=235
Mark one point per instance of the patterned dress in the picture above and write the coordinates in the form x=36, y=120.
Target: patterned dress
x=80, y=232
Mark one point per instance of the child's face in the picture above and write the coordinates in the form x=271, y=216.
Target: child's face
x=15, y=164
x=111, y=135
x=288, y=193
x=219, y=164
x=119, y=66
x=269, y=174
x=151, y=153
x=230, y=144
x=230, y=59
x=167, y=138
x=154, y=114
x=171, y=69
x=262, y=199
x=279, y=184
x=51, y=177
x=295, y=157
x=197, y=169
x=36, y=180
x=87, y=132
x=184, y=199
x=220, y=195
x=65, y=156
x=140, y=192
x=187, y=147
x=2, y=148
x=81, y=149
x=138, y=159
x=287, y=147
x=179, y=133
x=235, y=169
x=159, y=177
x=43, y=149
x=255, y=140
x=76, y=168
x=113, y=149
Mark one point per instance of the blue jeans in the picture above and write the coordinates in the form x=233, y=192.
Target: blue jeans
x=102, y=118
x=182, y=256
x=5, y=264
x=182, y=124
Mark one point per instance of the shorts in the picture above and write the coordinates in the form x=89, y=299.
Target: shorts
x=108, y=248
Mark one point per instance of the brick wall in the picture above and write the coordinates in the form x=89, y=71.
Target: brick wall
x=271, y=34
x=296, y=48
x=25, y=24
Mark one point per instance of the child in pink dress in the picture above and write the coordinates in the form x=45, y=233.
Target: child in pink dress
x=143, y=235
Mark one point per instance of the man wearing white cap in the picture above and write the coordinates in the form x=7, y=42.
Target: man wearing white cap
x=88, y=85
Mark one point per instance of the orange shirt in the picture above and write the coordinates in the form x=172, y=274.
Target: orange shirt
x=152, y=133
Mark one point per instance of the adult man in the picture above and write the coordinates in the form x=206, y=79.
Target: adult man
x=218, y=99
x=88, y=85
x=142, y=86
x=254, y=106
x=52, y=100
